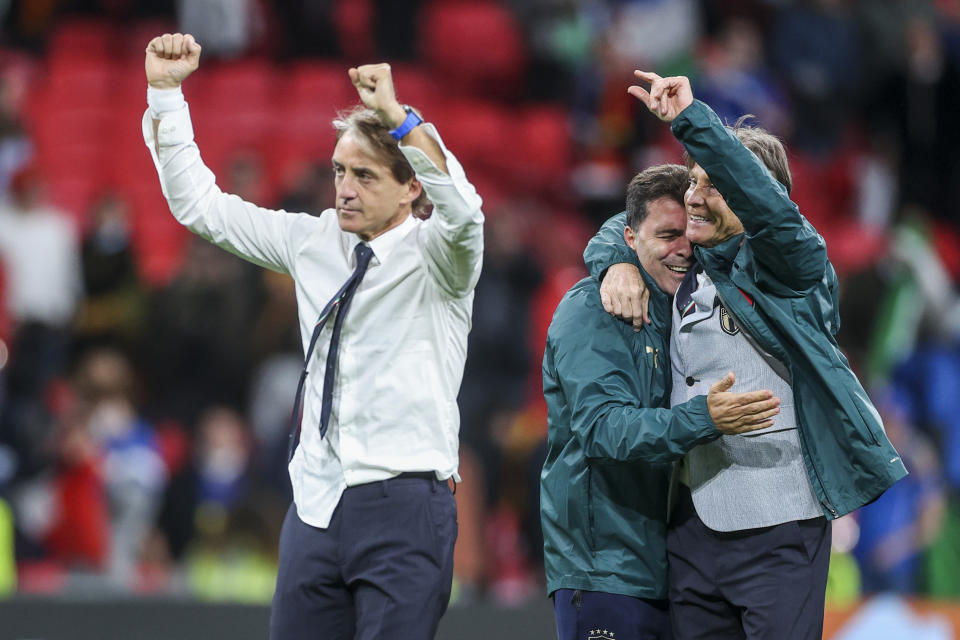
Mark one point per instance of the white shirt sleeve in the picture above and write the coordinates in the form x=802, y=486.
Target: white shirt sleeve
x=453, y=235
x=262, y=236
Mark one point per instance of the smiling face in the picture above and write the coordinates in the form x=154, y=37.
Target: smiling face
x=370, y=200
x=661, y=245
x=709, y=220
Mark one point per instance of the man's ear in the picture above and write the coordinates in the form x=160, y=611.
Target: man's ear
x=414, y=189
x=630, y=237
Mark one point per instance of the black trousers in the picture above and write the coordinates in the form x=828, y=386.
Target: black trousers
x=766, y=583
x=383, y=568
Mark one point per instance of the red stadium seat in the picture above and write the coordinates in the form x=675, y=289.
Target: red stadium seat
x=60, y=125
x=137, y=35
x=477, y=132
x=158, y=239
x=83, y=36
x=541, y=148
x=415, y=87
x=322, y=87
x=82, y=79
x=74, y=195
x=222, y=86
x=354, y=28
x=476, y=47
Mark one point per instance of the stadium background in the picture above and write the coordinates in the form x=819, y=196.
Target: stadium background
x=146, y=377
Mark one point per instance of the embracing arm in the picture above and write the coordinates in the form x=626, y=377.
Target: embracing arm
x=616, y=266
x=590, y=365
x=607, y=248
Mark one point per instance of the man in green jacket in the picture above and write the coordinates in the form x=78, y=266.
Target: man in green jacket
x=749, y=538
x=604, y=484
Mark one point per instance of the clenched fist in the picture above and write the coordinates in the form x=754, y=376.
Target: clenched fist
x=170, y=59
x=374, y=84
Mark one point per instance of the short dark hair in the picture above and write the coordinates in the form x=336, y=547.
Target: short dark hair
x=653, y=183
x=367, y=129
x=767, y=147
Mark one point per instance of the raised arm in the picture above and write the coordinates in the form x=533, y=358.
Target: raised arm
x=453, y=236
x=374, y=84
x=791, y=253
x=251, y=232
x=787, y=247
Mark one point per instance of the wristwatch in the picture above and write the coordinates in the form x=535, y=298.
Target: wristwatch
x=411, y=121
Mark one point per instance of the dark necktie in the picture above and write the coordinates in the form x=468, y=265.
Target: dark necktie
x=339, y=304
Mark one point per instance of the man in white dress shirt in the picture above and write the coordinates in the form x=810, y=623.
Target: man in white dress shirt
x=367, y=546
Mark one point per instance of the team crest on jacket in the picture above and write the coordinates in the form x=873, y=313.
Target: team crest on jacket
x=601, y=634
x=727, y=323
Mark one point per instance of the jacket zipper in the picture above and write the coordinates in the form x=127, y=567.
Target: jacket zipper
x=590, y=519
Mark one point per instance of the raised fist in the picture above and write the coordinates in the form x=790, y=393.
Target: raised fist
x=374, y=84
x=170, y=59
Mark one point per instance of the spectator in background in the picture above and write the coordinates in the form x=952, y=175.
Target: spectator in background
x=216, y=521
x=735, y=80
x=15, y=147
x=204, y=491
x=113, y=306
x=900, y=525
x=311, y=191
x=39, y=249
x=498, y=350
x=110, y=465
x=925, y=100
x=816, y=54
x=227, y=28
x=656, y=33
x=197, y=347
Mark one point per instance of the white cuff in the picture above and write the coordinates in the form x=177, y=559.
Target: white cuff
x=163, y=101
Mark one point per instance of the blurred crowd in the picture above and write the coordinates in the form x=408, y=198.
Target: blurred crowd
x=146, y=378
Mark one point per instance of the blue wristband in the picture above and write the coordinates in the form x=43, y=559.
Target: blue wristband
x=411, y=121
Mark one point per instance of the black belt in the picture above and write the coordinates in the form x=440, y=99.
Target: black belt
x=423, y=475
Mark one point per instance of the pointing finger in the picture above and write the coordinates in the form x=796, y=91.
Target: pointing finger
x=648, y=76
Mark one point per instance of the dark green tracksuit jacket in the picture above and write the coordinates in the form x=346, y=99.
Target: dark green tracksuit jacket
x=603, y=490
x=781, y=287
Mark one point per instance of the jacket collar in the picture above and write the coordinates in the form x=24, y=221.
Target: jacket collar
x=721, y=256
x=659, y=308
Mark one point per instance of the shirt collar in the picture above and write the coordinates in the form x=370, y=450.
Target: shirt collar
x=386, y=242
